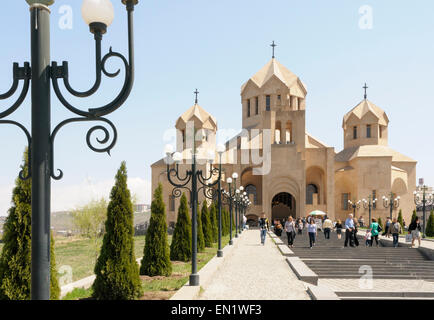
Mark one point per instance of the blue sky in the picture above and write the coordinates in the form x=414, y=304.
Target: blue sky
x=216, y=46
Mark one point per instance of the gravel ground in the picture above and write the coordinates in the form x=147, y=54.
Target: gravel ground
x=255, y=272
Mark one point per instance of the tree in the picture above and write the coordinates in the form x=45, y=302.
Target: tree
x=206, y=226
x=89, y=220
x=15, y=258
x=430, y=225
x=214, y=221
x=200, y=236
x=116, y=270
x=156, y=254
x=180, y=248
x=225, y=227
x=414, y=215
x=401, y=220
x=380, y=223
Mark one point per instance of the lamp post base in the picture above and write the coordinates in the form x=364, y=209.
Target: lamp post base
x=194, y=280
x=236, y=235
x=219, y=253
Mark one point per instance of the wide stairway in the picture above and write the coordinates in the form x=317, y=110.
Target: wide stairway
x=329, y=259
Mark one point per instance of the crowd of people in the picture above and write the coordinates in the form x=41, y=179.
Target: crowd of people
x=313, y=224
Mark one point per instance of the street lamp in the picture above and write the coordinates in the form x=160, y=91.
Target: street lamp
x=210, y=193
x=369, y=204
x=427, y=200
x=355, y=206
x=230, y=196
x=391, y=203
x=99, y=15
x=192, y=176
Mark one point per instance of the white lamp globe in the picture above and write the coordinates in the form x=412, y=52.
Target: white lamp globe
x=229, y=180
x=168, y=149
x=238, y=191
x=210, y=156
x=245, y=193
x=97, y=11
x=220, y=148
x=241, y=188
x=177, y=157
x=234, y=175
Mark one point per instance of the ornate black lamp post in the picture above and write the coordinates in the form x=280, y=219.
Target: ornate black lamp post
x=244, y=203
x=211, y=193
x=423, y=198
x=39, y=75
x=355, y=206
x=391, y=203
x=369, y=204
x=230, y=196
x=192, y=176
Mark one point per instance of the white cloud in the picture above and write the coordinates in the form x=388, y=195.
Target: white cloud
x=66, y=197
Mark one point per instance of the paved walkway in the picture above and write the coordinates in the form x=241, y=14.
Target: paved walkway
x=255, y=272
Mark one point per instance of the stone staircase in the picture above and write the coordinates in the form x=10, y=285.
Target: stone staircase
x=330, y=259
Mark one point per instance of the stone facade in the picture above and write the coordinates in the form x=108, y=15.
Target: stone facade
x=304, y=173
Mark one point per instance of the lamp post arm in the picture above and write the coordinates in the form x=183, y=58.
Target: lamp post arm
x=19, y=73
x=175, y=172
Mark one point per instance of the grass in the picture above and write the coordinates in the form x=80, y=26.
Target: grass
x=162, y=288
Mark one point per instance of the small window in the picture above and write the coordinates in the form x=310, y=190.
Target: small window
x=368, y=131
x=311, y=189
x=268, y=103
x=257, y=105
x=354, y=132
x=279, y=100
x=345, y=198
x=381, y=132
x=248, y=108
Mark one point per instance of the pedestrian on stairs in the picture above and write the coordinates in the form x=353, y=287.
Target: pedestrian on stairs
x=290, y=231
x=338, y=227
x=328, y=226
x=349, y=230
x=374, y=231
x=414, y=228
x=356, y=229
x=395, y=229
x=312, y=230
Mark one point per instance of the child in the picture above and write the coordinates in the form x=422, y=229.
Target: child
x=368, y=237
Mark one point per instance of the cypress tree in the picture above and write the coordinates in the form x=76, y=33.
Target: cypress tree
x=414, y=215
x=206, y=226
x=156, y=254
x=430, y=225
x=214, y=222
x=380, y=223
x=200, y=236
x=116, y=270
x=180, y=248
x=15, y=258
x=401, y=219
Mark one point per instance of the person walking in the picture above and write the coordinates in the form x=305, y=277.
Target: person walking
x=368, y=238
x=374, y=229
x=290, y=231
x=244, y=222
x=263, y=227
x=414, y=229
x=395, y=229
x=300, y=226
x=361, y=222
x=356, y=229
x=312, y=230
x=338, y=227
x=327, y=226
x=349, y=229
x=387, y=228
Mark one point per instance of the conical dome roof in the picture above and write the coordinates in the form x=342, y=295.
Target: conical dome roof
x=198, y=114
x=275, y=68
x=367, y=107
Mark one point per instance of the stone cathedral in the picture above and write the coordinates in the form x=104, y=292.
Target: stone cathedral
x=304, y=174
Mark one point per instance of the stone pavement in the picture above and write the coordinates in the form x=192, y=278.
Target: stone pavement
x=255, y=272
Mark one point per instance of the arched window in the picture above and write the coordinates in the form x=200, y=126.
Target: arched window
x=311, y=189
x=251, y=189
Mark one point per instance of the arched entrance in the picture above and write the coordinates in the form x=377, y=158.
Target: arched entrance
x=283, y=206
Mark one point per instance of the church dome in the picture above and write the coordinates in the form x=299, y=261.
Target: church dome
x=363, y=110
x=275, y=68
x=201, y=118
